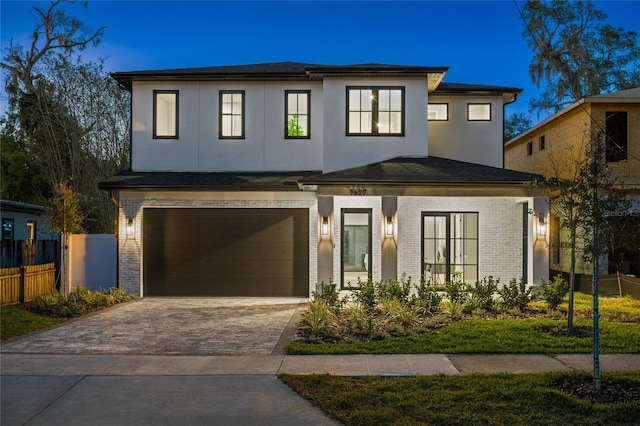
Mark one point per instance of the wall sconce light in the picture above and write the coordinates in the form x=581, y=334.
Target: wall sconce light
x=542, y=226
x=325, y=225
x=389, y=226
x=130, y=228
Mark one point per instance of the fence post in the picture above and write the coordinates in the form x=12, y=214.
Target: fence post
x=22, y=282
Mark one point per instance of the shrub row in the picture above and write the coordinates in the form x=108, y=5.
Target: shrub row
x=78, y=302
x=394, y=302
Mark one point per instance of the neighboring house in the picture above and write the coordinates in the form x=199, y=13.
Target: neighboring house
x=268, y=179
x=552, y=147
x=25, y=222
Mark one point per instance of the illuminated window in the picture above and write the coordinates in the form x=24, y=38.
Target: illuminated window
x=450, y=247
x=479, y=112
x=298, y=112
x=438, y=112
x=165, y=114
x=31, y=230
x=375, y=111
x=232, y=114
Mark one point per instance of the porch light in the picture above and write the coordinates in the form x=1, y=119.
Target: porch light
x=325, y=225
x=389, y=226
x=542, y=226
x=130, y=228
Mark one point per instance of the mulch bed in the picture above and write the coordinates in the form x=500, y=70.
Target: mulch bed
x=611, y=391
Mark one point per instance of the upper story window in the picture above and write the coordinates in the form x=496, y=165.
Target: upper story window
x=541, y=143
x=529, y=148
x=232, y=114
x=165, y=114
x=375, y=111
x=616, y=135
x=479, y=112
x=298, y=114
x=438, y=112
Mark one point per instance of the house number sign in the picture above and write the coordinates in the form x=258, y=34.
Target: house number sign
x=358, y=190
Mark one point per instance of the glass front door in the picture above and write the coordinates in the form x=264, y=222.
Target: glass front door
x=356, y=246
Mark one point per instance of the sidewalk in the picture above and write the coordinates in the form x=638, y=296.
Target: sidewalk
x=58, y=389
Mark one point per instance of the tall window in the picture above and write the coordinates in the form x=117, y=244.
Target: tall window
x=232, y=114
x=450, y=247
x=165, y=114
x=479, y=112
x=375, y=111
x=298, y=113
x=356, y=246
x=616, y=135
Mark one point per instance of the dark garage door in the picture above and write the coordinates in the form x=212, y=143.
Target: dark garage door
x=226, y=252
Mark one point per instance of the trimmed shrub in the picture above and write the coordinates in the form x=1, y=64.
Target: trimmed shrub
x=427, y=297
x=329, y=293
x=365, y=294
x=394, y=290
x=554, y=291
x=482, y=294
x=515, y=295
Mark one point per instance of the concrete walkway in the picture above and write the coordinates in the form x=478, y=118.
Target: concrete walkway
x=201, y=362
x=56, y=389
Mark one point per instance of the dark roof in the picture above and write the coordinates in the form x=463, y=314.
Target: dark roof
x=273, y=70
x=205, y=180
x=16, y=206
x=452, y=88
x=427, y=171
x=431, y=171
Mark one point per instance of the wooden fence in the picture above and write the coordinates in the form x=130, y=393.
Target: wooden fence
x=37, y=252
x=25, y=283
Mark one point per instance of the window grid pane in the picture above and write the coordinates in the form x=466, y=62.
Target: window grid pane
x=231, y=115
x=374, y=111
x=297, y=124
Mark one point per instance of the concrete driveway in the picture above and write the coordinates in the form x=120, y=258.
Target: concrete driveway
x=173, y=326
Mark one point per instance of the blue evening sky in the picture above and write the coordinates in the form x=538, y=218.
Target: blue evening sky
x=480, y=41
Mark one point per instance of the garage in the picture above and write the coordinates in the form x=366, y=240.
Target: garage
x=226, y=252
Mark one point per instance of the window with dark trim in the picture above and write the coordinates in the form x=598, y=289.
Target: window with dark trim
x=438, y=112
x=479, y=112
x=529, y=148
x=616, y=136
x=165, y=114
x=232, y=114
x=450, y=247
x=7, y=229
x=297, y=114
x=377, y=111
x=541, y=143
x=356, y=246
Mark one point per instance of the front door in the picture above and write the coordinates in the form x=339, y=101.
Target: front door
x=356, y=246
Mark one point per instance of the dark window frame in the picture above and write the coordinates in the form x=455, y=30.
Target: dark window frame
x=448, y=238
x=616, y=136
x=438, y=119
x=221, y=115
x=286, y=114
x=375, y=110
x=480, y=119
x=343, y=284
x=542, y=143
x=529, y=148
x=155, y=114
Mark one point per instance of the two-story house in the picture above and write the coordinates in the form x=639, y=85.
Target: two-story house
x=555, y=145
x=267, y=179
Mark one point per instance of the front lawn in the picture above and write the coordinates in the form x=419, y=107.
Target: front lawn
x=535, y=329
x=502, y=399
x=17, y=321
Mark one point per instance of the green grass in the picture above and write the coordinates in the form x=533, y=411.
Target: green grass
x=502, y=399
x=16, y=321
x=619, y=333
